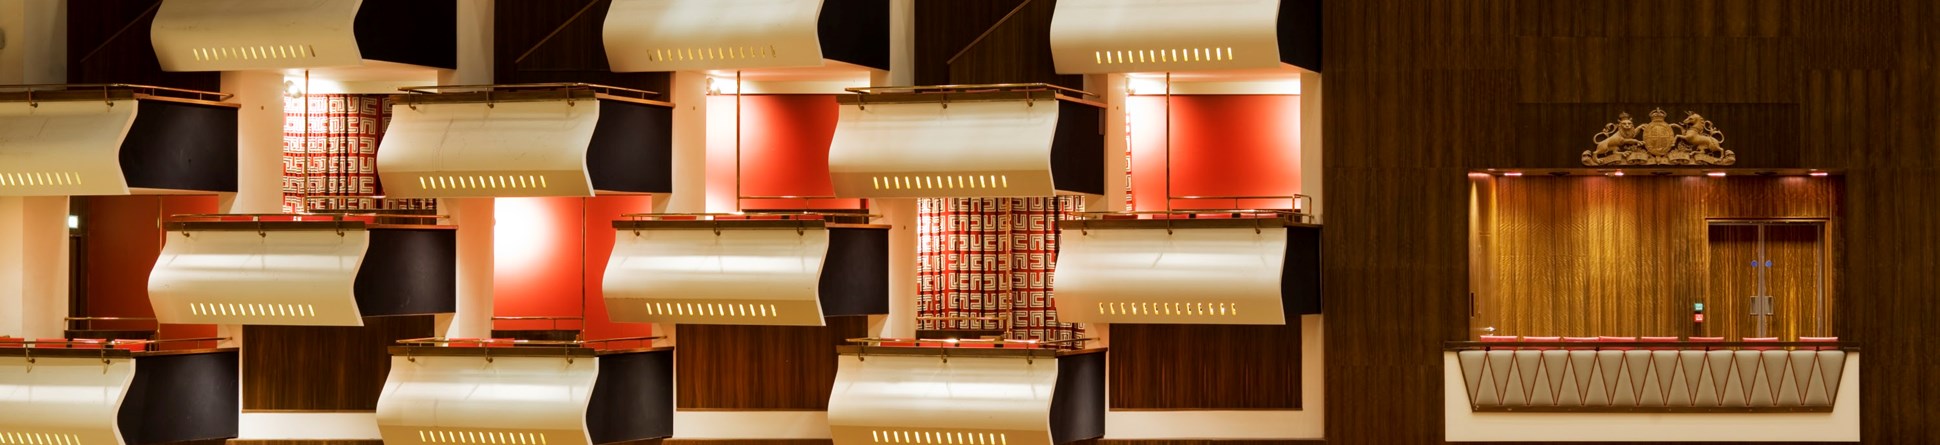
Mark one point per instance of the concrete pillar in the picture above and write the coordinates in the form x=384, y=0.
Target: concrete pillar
x=475, y=217
x=33, y=230
x=1310, y=140
x=259, y=142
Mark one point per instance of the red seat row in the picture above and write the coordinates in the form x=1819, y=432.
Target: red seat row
x=78, y=343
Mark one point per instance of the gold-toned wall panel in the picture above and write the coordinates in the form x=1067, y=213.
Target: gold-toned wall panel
x=1627, y=256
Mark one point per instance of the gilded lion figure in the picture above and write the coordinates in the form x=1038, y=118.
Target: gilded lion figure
x=1617, y=137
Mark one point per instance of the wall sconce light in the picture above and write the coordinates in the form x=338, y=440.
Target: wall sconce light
x=291, y=91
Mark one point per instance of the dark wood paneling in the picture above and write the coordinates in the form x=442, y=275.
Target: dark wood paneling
x=1420, y=91
x=946, y=27
x=1555, y=135
x=1156, y=366
x=1016, y=49
x=1589, y=256
x=726, y=367
x=323, y=368
x=558, y=41
x=107, y=42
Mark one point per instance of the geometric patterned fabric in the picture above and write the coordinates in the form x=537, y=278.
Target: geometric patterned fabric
x=991, y=258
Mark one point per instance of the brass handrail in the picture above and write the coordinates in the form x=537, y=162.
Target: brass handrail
x=105, y=87
x=967, y=88
x=70, y=342
x=568, y=343
x=442, y=89
x=716, y=216
x=89, y=326
x=553, y=318
x=878, y=341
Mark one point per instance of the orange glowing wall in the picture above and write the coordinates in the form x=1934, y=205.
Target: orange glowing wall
x=550, y=258
x=1221, y=145
x=123, y=242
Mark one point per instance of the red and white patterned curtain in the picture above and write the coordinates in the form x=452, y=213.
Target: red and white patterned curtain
x=991, y=257
x=330, y=149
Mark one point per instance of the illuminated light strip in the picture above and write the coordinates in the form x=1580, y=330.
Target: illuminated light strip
x=262, y=52
x=13, y=438
x=940, y=182
x=712, y=309
x=712, y=53
x=481, y=437
x=476, y=182
x=30, y=179
x=1205, y=54
x=937, y=437
x=254, y=309
x=1193, y=308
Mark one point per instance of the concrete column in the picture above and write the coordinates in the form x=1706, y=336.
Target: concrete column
x=33, y=230
x=259, y=142
x=1310, y=140
x=476, y=218
x=689, y=95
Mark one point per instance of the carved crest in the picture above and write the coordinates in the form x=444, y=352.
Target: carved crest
x=1692, y=141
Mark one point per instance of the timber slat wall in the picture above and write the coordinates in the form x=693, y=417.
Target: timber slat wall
x=727, y=367
x=107, y=42
x=1421, y=91
x=323, y=368
x=1191, y=367
x=1626, y=256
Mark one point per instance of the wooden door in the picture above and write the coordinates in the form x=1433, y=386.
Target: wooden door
x=1783, y=260
x=1731, y=282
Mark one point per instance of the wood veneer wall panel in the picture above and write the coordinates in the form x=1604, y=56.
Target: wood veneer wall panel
x=946, y=27
x=726, y=367
x=313, y=368
x=995, y=57
x=538, y=41
x=107, y=42
x=1589, y=256
x=1155, y=366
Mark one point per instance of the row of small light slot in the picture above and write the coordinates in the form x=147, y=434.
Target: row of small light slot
x=1164, y=55
x=40, y=178
x=440, y=436
x=713, y=309
x=254, y=309
x=481, y=182
x=1187, y=308
x=39, y=439
x=716, y=53
x=936, y=182
x=265, y=52
x=1619, y=173
x=938, y=437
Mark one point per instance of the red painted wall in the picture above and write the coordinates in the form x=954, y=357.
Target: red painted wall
x=1221, y=145
x=550, y=256
x=785, y=150
x=600, y=213
x=123, y=242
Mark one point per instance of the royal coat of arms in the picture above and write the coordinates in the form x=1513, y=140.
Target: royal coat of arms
x=1692, y=141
